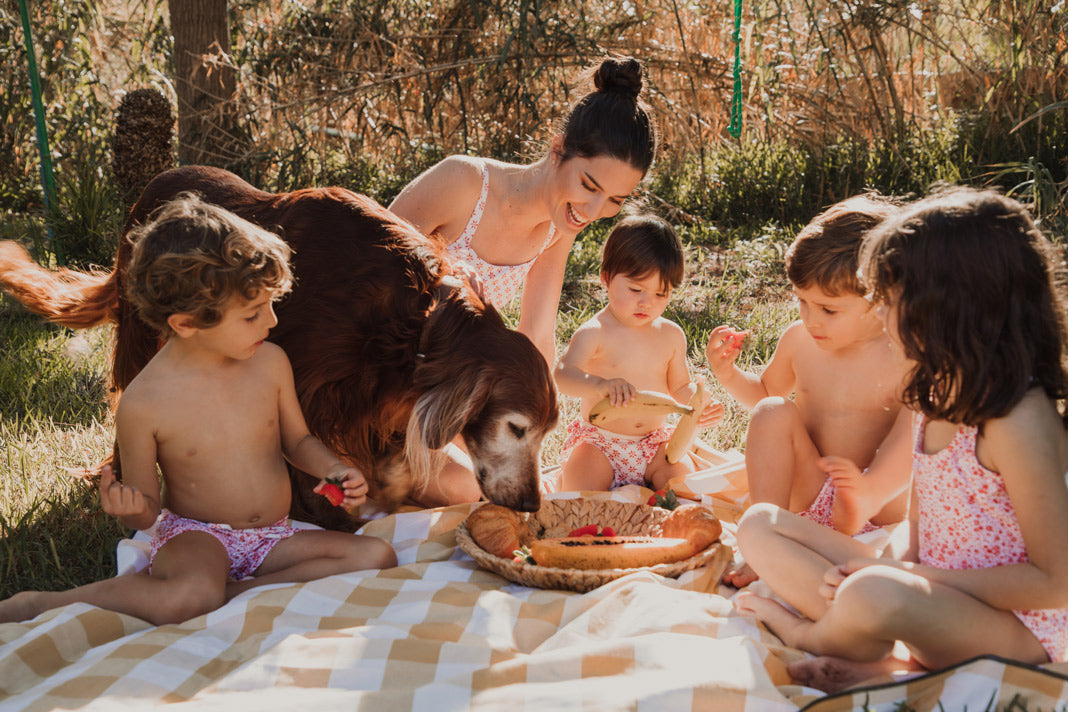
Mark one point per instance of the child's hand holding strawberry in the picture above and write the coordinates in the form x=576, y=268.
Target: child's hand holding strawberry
x=724, y=345
x=344, y=486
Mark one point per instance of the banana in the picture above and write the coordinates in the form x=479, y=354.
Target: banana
x=686, y=429
x=644, y=403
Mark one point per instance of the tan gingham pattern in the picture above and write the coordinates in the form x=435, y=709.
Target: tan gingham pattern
x=435, y=633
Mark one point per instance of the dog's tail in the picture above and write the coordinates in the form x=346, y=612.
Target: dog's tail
x=74, y=299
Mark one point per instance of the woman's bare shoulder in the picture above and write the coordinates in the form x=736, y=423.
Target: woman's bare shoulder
x=456, y=172
x=441, y=193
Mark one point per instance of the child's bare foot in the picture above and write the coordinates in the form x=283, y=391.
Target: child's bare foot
x=786, y=625
x=20, y=607
x=849, y=513
x=851, y=509
x=740, y=576
x=832, y=674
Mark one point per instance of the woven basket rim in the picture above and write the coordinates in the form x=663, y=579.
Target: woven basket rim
x=583, y=579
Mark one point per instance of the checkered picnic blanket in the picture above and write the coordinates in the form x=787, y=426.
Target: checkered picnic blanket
x=439, y=633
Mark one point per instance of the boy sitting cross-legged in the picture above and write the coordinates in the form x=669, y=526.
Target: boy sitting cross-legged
x=838, y=452
x=217, y=411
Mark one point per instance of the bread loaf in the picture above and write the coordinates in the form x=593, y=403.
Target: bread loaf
x=694, y=522
x=601, y=552
x=498, y=530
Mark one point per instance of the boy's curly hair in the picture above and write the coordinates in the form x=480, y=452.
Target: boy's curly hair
x=825, y=252
x=192, y=257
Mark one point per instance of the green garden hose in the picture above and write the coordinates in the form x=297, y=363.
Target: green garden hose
x=47, y=183
x=735, y=129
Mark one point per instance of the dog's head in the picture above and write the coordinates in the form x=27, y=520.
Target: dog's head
x=495, y=390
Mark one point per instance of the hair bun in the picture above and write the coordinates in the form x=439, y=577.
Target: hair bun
x=619, y=75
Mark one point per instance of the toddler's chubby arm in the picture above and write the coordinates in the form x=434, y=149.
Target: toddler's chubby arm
x=777, y=378
x=572, y=379
x=303, y=449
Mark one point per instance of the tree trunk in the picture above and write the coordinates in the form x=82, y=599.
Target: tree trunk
x=205, y=84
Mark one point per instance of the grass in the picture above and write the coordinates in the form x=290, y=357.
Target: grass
x=55, y=422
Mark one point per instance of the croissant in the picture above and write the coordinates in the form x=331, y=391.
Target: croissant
x=498, y=530
x=694, y=522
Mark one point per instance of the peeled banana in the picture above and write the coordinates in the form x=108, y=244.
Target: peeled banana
x=647, y=403
x=686, y=429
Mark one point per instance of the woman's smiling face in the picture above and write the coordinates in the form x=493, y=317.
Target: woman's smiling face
x=588, y=189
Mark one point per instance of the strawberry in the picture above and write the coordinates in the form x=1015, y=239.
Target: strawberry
x=522, y=556
x=734, y=338
x=332, y=491
x=588, y=530
x=607, y=531
x=664, y=498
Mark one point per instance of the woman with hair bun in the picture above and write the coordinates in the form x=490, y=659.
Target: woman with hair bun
x=514, y=225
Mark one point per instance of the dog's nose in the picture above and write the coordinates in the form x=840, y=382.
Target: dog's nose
x=531, y=504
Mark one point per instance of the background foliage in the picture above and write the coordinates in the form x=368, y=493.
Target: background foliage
x=839, y=96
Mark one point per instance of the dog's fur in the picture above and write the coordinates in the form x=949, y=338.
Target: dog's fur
x=391, y=363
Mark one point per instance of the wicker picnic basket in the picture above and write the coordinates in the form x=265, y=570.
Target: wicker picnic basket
x=558, y=517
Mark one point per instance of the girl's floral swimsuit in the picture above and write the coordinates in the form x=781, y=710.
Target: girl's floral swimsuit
x=966, y=521
x=499, y=282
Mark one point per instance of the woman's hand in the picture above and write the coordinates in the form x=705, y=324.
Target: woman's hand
x=470, y=274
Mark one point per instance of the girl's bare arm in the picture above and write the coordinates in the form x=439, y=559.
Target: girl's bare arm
x=570, y=374
x=679, y=383
x=1028, y=450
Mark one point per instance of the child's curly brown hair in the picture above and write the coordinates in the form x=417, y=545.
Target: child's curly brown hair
x=192, y=257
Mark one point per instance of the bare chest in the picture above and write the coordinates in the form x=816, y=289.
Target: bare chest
x=849, y=406
x=642, y=362
x=231, y=422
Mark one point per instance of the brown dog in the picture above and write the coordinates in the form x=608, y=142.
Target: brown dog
x=393, y=357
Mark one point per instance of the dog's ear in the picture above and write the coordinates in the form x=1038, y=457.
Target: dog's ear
x=440, y=415
x=443, y=411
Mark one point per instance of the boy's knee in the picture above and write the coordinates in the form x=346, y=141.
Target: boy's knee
x=774, y=411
